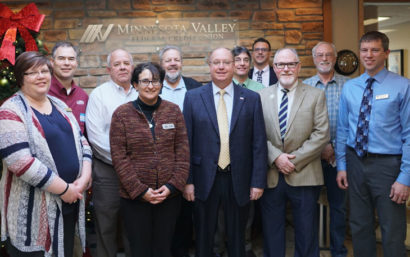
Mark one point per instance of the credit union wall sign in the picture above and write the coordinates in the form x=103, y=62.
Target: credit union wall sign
x=149, y=35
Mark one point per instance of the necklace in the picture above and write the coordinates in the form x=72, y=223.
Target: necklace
x=149, y=122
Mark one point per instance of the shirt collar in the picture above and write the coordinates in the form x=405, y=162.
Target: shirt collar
x=180, y=85
x=264, y=69
x=379, y=77
x=238, y=83
x=118, y=87
x=228, y=89
x=291, y=88
x=60, y=87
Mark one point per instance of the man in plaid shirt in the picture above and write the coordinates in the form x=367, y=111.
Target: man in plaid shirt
x=324, y=57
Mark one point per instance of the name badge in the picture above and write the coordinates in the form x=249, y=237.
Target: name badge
x=379, y=97
x=168, y=126
x=82, y=117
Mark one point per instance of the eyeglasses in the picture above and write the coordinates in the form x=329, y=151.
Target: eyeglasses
x=290, y=65
x=146, y=82
x=261, y=50
x=224, y=62
x=320, y=55
x=34, y=74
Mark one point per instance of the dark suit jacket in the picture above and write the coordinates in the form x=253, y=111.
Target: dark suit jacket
x=247, y=141
x=191, y=83
x=272, y=76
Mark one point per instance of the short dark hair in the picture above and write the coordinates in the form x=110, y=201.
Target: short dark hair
x=155, y=69
x=27, y=60
x=63, y=44
x=375, y=36
x=237, y=50
x=261, y=39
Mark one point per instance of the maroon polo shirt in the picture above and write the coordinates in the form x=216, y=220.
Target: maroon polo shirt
x=77, y=99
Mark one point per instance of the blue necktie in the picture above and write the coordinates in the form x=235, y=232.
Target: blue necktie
x=283, y=113
x=362, y=133
x=259, y=78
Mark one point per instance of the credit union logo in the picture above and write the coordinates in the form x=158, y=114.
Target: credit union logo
x=95, y=32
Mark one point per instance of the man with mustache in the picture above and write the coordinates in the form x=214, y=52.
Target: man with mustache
x=262, y=72
x=326, y=79
x=297, y=130
x=103, y=101
x=64, y=61
x=174, y=88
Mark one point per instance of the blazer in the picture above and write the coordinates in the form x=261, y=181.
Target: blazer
x=306, y=135
x=247, y=142
x=191, y=83
x=272, y=75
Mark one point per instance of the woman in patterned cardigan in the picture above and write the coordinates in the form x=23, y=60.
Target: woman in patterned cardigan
x=48, y=164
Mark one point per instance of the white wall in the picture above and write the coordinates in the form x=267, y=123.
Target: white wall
x=400, y=39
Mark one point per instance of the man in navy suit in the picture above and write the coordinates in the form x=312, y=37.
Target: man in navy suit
x=227, y=139
x=262, y=72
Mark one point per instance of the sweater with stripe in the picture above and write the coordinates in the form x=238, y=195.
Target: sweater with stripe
x=31, y=218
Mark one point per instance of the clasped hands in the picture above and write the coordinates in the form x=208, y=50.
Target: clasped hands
x=156, y=196
x=284, y=164
x=75, y=190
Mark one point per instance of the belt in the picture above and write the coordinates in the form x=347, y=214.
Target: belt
x=374, y=155
x=227, y=169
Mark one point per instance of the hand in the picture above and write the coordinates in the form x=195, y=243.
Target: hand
x=341, y=179
x=256, y=193
x=83, y=183
x=189, y=192
x=161, y=194
x=150, y=195
x=399, y=193
x=283, y=163
x=73, y=194
x=328, y=153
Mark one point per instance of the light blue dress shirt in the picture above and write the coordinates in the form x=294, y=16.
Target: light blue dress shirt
x=175, y=95
x=389, y=126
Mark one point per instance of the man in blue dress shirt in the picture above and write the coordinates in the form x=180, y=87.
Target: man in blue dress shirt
x=373, y=150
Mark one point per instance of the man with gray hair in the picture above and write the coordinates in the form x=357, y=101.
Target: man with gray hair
x=175, y=85
x=297, y=129
x=326, y=79
x=174, y=88
x=102, y=102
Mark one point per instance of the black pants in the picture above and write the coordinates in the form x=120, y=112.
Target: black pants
x=149, y=228
x=69, y=219
x=182, y=240
x=206, y=218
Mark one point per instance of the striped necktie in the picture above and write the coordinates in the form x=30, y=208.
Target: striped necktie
x=259, y=78
x=283, y=113
x=362, y=133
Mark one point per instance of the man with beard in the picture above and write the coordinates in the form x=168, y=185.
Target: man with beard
x=64, y=61
x=174, y=88
x=262, y=72
x=175, y=85
x=297, y=130
x=103, y=101
x=326, y=79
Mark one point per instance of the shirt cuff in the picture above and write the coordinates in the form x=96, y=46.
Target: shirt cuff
x=404, y=179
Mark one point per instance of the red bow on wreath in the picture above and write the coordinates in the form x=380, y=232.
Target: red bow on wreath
x=26, y=19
